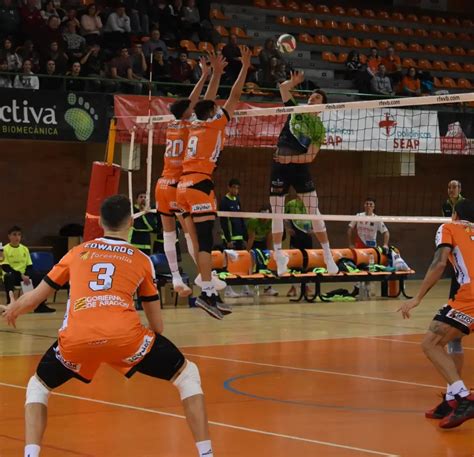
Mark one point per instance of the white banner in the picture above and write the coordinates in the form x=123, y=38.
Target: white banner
x=391, y=130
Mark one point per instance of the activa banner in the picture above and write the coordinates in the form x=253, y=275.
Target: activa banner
x=61, y=116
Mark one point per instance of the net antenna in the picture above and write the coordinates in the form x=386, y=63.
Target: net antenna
x=150, y=139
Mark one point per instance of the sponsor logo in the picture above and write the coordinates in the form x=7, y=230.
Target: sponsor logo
x=84, y=255
x=70, y=365
x=388, y=125
x=460, y=317
x=385, y=103
x=97, y=342
x=142, y=350
x=103, y=255
x=99, y=301
x=201, y=207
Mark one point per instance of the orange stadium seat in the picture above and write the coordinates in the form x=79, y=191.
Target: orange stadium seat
x=241, y=264
x=449, y=83
x=346, y=253
x=467, y=23
x=346, y=26
x=459, y=51
x=376, y=28
x=426, y=20
x=407, y=31
x=293, y=6
x=454, y=66
x=399, y=46
x=338, y=11
x=454, y=21
x=315, y=259
x=254, y=89
x=353, y=12
x=411, y=17
x=322, y=9
x=368, y=13
x=222, y=31
x=383, y=14
x=330, y=25
x=353, y=42
x=320, y=39
x=437, y=82
x=440, y=20
x=414, y=47
x=464, y=83
x=430, y=48
x=421, y=33
x=188, y=45
x=435, y=34
x=306, y=38
x=450, y=36
x=470, y=52
x=257, y=50
x=329, y=56
x=392, y=29
x=283, y=20
x=444, y=50
x=363, y=255
x=408, y=62
x=315, y=23
x=468, y=67
x=307, y=7
x=299, y=21
x=205, y=46
x=464, y=36
x=368, y=43
x=342, y=57
x=362, y=28
x=218, y=260
x=383, y=44
x=424, y=64
x=439, y=65
x=260, y=3
x=398, y=16
x=239, y=32
x=338, y=41
x=276, y=4
x=192, y=63
x=216, y=13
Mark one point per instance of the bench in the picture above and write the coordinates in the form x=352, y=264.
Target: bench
x=239, y=269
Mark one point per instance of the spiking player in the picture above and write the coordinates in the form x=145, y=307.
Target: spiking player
x=298, y=144
x=102, y=326
x=196, y=189
x=176, y=141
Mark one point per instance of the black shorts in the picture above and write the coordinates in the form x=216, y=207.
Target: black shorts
x=455, y=318
x=163, y=361
x=296, y=175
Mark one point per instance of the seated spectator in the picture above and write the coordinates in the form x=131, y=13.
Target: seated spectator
x=10, y=20
x=91, y=25
x=117, y=29
x=373, y=61
x=137, y=10
x=5, y=79
x=190, y=21
x=31, y=19
x=49, y=11
x=121, y=70
x=50, y=33
x=161, y=71
x=231, y=52
x=28, y=51
x=426, y=82
x=139, y=66
x=269, y=50
x=181, y=71
x=273, y=73
x=75, y=44
x=18, y=267
x=381, y=83
x=393, y=66
x=8, y=53
x=71, y=15
x=353, y=64
x=26, y=79
x=411, y=85
x=153, y=43
x=72, y=83
x=51, y=81
x=59, y=57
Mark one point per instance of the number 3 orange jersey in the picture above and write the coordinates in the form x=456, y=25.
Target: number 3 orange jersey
x=176, y=141
x=103, y=275
x=205, y=143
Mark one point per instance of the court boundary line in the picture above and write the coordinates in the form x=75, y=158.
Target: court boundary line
x=215, y=423
x=396, y=340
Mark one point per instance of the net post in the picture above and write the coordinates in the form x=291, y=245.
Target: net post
x=148, y=164
x=111, y=142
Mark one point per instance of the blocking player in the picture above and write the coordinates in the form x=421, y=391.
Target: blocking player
x=102, y=326
x=298, y=144
x=454, y=242
x=176, y=140
x=196, y=190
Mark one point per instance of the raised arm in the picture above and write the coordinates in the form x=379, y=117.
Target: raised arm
x=196, y=93
x=236, y=91
x=218, y=64
x=296, y=78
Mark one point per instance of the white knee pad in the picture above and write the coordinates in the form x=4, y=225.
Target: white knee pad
x=277, y=203
x=189, y=382
x=169, y=239
x=36, y=392
x=455, y=346
x=311, y=203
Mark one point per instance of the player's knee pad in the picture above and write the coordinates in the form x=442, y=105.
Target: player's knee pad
x=204, y=234
x=169, y=240
x=277, y=203
x=188, y=382
x=36, y=392
x=455, y=346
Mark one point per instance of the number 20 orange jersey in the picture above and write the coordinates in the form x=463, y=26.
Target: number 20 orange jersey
x=176, y=141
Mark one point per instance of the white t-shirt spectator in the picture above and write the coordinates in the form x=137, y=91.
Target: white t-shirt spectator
x=366, y=232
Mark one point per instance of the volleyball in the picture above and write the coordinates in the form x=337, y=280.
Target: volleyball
x=286, y=43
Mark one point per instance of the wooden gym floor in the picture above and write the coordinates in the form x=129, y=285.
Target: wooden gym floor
x=322, y=379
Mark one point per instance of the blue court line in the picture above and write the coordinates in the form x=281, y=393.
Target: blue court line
x=228, y=385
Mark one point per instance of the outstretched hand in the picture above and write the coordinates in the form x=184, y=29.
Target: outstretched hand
x=296, y=77
x=246, y=56
x=8, y=312
x=407, y=307
x=204, y=66
x=218, y=62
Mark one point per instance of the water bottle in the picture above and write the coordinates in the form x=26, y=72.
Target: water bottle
x=371, y=292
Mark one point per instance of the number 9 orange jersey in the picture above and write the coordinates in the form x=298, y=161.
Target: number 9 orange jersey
x=205, y=143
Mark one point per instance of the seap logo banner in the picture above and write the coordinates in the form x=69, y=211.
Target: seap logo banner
x=45, y=115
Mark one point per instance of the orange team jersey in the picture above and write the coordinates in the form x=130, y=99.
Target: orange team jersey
x=103, y=275
x=176, y=141
x=459, y=236
x=205, y=142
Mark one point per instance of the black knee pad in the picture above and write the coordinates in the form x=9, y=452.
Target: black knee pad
x=204, y=234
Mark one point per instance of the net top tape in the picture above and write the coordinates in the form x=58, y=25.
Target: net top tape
x=369, y=104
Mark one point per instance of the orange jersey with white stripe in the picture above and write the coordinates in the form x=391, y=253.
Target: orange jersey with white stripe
x=459, y=236
x=176, y=141
x=103, y=275
x=205, y=143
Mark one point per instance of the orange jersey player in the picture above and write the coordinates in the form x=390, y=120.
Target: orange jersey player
x=196, y=189
x=176, y=141
x=454, y=243
x=102, y=326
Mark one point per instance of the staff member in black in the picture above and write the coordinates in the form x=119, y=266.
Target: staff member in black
x=143, y=226
x=233, y=228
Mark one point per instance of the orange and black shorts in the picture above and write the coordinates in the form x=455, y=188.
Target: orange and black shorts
x=457, y=314
x=165, y=196
x=196, y=195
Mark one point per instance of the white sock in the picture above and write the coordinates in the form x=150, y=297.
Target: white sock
x=448, y=396
x=32, y=450
x=189, y=244
x=277, y=246
x=169, y=241
x=326, y=250
x=205, y=448
x=208, y=288
x=458, y=388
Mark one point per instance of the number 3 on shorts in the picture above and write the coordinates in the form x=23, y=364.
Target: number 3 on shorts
x=104, y=278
